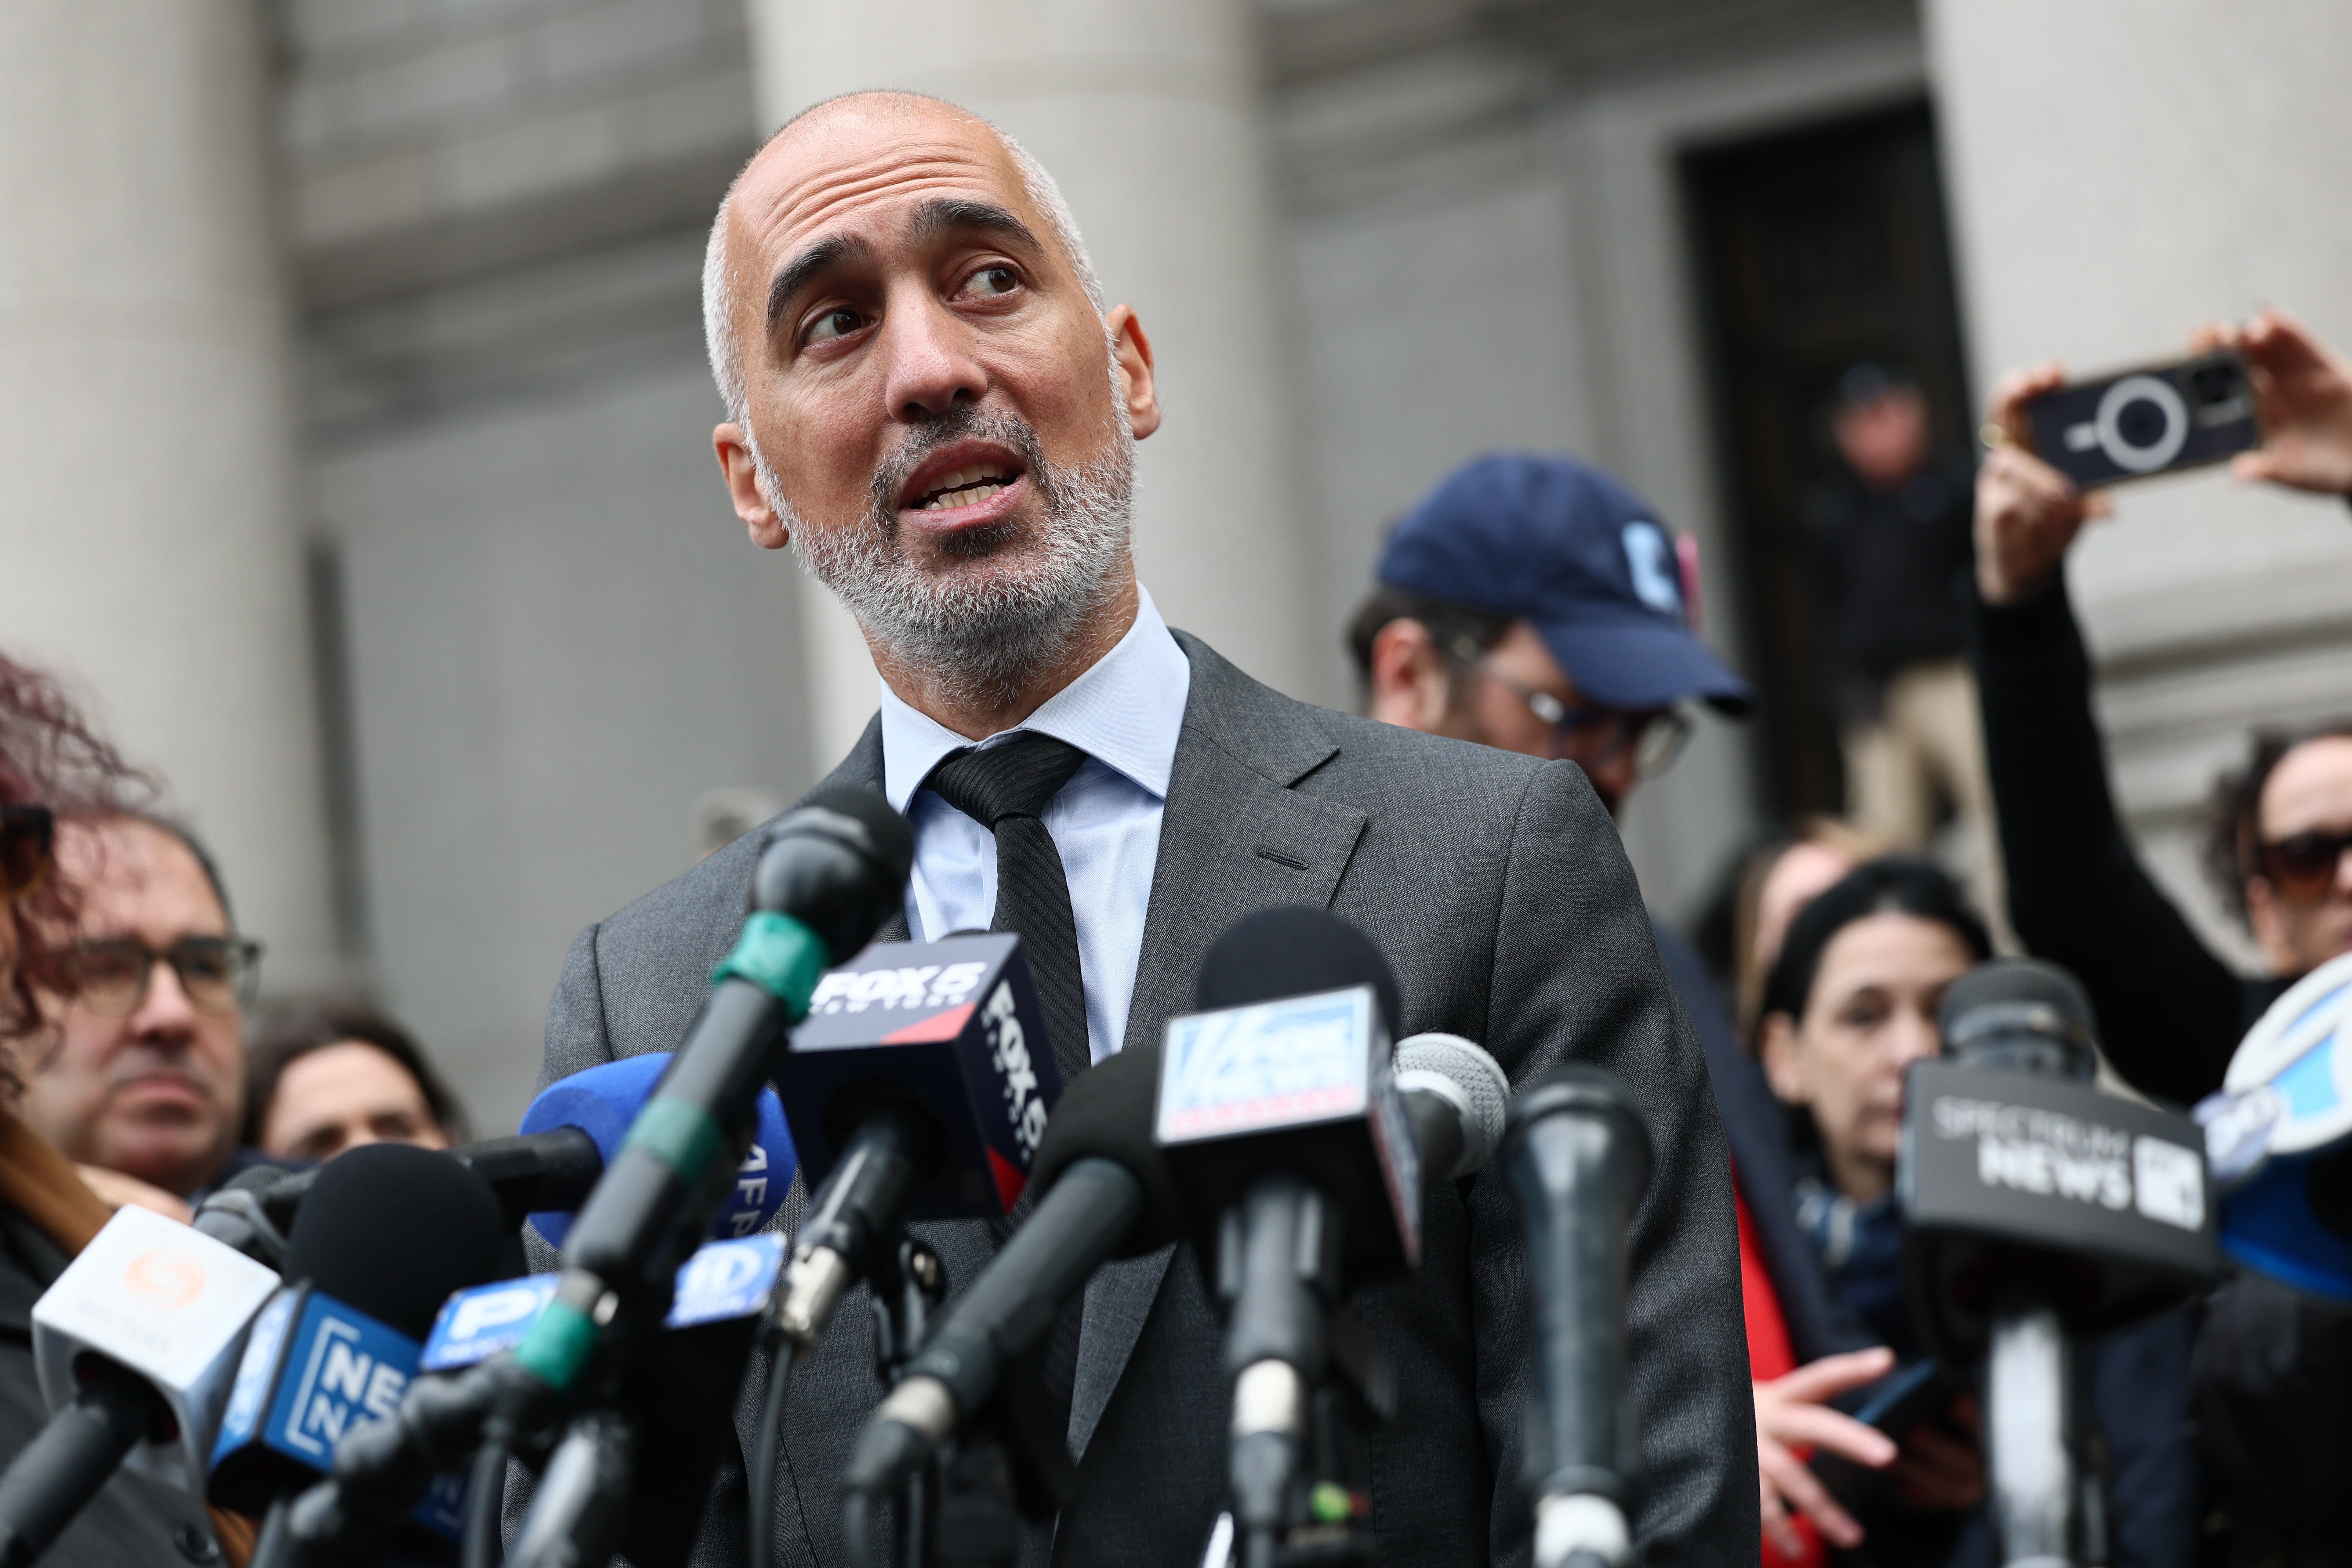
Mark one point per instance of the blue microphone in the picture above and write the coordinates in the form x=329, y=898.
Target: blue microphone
x=604, y=1101
x=2278, y=1135
x=386, y=1233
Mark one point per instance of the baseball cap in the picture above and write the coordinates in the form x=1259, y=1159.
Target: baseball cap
x=1566, y=548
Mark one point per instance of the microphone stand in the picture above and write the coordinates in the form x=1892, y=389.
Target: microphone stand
x=909, y=1284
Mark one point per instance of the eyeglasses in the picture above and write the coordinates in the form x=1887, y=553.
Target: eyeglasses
x=219, y=974
x=1594, y=737
x=27, y=832
x=2303, y=866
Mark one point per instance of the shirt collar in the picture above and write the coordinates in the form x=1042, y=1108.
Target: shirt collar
x=1125, y=711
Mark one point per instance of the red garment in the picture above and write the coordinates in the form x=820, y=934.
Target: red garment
x=1768, y=1356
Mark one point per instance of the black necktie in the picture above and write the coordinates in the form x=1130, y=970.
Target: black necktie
x=1003, y=788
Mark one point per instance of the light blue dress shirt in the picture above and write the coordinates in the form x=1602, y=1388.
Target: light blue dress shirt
x=1125, y=713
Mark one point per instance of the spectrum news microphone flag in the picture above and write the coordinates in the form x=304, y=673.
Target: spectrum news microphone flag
x=2278, y=1135
x=385, y=1235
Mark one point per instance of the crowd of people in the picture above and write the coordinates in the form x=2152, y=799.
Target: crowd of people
x=1531, y=605
x=1513, y=610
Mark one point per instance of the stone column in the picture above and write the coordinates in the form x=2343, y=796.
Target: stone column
x=148, y=540
x=1148, y=113
x=2120, y=170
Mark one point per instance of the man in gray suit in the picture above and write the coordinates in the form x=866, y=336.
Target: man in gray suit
x=929, y=402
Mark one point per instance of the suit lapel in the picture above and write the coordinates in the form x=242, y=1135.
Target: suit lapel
x=1235, y=838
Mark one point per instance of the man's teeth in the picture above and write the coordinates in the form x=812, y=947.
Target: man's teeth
x=965, y=487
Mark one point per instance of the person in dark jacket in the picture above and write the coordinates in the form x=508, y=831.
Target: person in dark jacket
x=1852, y=1002
x=2273, y=1374
x=1533, y=603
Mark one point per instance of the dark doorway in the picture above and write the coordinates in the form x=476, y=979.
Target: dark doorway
x=1817, y=248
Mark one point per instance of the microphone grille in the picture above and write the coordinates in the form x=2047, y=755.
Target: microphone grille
x=392, y=1229
x=1468, y=1076
x=1294, y=950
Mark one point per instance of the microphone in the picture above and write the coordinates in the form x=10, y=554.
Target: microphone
x=134, y=1346
x=386, y=1234
x=917, y=1089
x=828, y=877
x=1458, y=1098
x=577, y=1125
x=1577, y=1158
x=1105, y=1194
x=1281, y=1121
x=2039, y=1210
x=2278, y=1135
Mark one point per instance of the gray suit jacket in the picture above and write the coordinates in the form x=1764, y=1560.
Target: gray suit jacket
x=1498, y=887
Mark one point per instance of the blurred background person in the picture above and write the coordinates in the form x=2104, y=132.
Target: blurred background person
x=1892, y=533
x=1772, y=885
x=2274, y=1370
x=51, y=760
x=333, y=1078
x=1532, y=604
x=1852, y=1002
x=143, y=1073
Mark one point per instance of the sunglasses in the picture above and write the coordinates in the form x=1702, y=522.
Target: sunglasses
x=218, y=973
x=2303, y=866
x=1592, y=737
x=26, y=834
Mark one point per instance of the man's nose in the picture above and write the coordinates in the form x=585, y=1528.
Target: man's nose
x=928, y=355
x=166, y=1015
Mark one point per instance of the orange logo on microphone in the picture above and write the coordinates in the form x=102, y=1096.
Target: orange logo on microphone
x=164, y=1278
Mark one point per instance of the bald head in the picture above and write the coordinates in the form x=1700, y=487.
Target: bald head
x=729, y=286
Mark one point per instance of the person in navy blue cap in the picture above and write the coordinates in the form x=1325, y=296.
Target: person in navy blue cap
x=1535, y=604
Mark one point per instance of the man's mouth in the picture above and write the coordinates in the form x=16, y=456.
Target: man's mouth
x=965, y=479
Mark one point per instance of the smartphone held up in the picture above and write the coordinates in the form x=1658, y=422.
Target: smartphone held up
x=2155, y=420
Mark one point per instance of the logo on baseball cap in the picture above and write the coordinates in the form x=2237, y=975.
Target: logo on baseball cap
x=1570, y=549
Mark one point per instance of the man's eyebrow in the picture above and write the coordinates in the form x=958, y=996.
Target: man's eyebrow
x=943, y=214
x=818, y=258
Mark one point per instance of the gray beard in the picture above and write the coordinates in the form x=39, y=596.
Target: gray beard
x=979, y=636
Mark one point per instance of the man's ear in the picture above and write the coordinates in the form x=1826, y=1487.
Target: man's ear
x=759, y=519
x=1131, y=352
x=1776, y=1048
x=1413, y=685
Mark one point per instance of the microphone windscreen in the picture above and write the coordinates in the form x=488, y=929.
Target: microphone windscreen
x=256, y=1179
x=604, y=1101
x=2027, y=992
x=1107, y=1113
x=1293, y=951
x=392, y=1230
x=893, y=840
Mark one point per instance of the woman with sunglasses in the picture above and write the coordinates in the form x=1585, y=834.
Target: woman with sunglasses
x=52, y=766
x=2274, y=1373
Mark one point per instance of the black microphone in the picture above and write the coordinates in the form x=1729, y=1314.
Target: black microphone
x=829, y=875
x=134, y=1343
x=1105, y=1194
x=386, y=1233
x=1577, y=1158
x=919, y=1088
x=1280, y=1118
x=2037, y=1211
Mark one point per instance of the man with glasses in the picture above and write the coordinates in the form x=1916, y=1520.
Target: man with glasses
x=1535, y=605
x=143, y=1074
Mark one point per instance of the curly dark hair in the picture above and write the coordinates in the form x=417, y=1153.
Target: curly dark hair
x=49, y=756
x=2233, y=833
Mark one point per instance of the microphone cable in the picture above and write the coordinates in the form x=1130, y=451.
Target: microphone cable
x=762, y=1480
